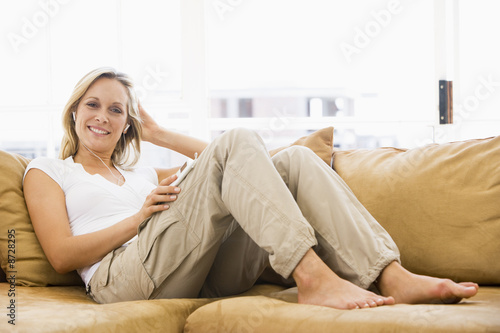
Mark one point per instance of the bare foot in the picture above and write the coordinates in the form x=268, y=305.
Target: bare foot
x=410, y=288
x=319, y=285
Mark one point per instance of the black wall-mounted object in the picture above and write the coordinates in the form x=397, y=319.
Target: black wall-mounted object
x=445, y=102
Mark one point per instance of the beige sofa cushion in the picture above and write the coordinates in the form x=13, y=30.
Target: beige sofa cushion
x=31, y=266
x=440, y=203
x=263, y=314
x=68, y=309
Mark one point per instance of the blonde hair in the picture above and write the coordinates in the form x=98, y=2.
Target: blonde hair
x=128, y=143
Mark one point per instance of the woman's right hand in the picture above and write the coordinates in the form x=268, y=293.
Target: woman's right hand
x=158, y=200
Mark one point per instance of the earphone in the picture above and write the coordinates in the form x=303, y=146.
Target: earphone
x=124, y=131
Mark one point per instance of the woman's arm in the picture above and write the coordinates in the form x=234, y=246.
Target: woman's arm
x=65, y=252
x=183, y=144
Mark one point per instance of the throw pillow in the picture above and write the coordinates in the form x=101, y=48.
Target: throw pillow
x=321, y=142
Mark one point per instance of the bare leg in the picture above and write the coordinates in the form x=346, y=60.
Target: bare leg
x=407, y=287
x=317, y=284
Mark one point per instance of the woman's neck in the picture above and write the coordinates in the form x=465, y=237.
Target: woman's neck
x=91, y=160
x=86, y=156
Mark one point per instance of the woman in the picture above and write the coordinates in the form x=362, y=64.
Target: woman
x=132, y=236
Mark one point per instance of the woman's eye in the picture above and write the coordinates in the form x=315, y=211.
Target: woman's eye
x=116, y=110
x=92, y=105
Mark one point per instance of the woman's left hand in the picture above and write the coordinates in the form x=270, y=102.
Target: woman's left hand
x=149, y=126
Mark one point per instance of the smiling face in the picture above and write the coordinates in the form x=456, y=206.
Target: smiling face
x=101, y=115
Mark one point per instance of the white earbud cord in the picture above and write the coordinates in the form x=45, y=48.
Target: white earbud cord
x=119, y=179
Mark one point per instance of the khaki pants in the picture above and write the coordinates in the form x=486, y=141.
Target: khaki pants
x=238, y=213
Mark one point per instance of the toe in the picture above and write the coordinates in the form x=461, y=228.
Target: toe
x=470, y=285
x=363, y=304
x=389, y=300
x=451, y=292
x=352, y=305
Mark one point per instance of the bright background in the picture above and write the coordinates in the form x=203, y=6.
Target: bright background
x=284, y=68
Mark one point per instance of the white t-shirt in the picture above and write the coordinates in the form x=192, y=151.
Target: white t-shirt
x=94, y=203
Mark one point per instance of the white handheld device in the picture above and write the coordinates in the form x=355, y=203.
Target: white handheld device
x=184, y=170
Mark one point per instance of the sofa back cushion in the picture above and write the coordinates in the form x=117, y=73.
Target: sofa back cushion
x=440, y=203
x=30, y=267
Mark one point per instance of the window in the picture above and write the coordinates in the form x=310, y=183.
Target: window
x=283, y=68
x=476, y=108
x=360, y=66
